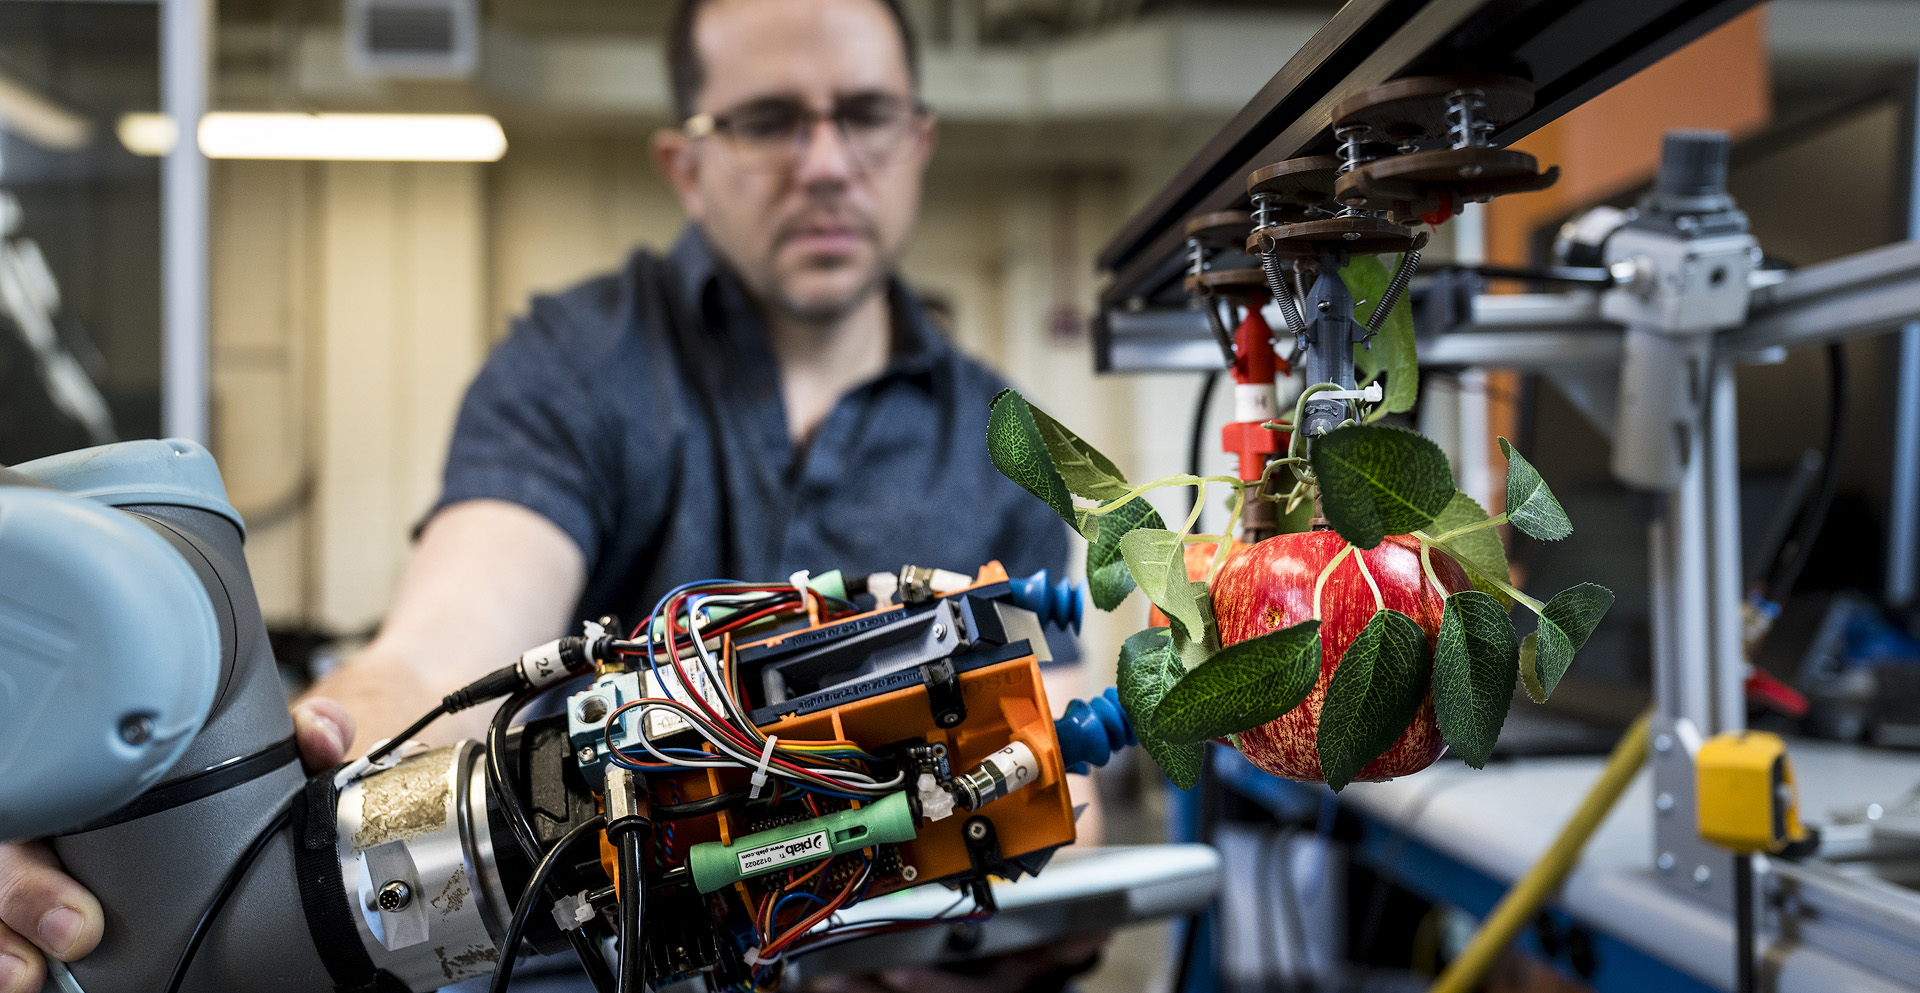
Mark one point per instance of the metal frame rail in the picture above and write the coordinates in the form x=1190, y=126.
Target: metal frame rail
x=1572, y=50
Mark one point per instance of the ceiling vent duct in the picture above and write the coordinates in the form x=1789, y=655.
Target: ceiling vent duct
x=413, y=39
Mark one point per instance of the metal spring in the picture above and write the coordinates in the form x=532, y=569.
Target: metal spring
x=1282, y=297
x=1464, y=124
x=1402, y=275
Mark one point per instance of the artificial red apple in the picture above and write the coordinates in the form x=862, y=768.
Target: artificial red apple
x=1270, y=586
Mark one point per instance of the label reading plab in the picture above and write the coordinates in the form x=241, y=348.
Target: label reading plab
x=811, y=846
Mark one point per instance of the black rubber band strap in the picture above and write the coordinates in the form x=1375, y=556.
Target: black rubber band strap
x=323, y=894
x=200, y=785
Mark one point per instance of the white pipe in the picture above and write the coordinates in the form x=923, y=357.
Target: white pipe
x=185, y=40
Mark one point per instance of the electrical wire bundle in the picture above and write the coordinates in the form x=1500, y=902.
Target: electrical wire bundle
x=836, y=768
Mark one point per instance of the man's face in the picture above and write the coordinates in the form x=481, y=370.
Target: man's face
x=813, y=229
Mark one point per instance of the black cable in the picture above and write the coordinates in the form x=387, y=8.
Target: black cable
x=1781, y=582
x=530, y=897
x=225, y=893
x=522, y=826
x=633, y=958
x=1198, y=435
x=1743, y=981
x=699, y=808
x=439, y=710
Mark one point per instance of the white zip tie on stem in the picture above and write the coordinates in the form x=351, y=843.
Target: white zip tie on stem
x=760, y=771
x=1372, y=394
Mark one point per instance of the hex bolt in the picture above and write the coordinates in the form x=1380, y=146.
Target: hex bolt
x=909, y=873
x=977, y=830
x=1663, y=803
x=585, y=755
x=136, y=729
x=1701, y=874
x=395, y=895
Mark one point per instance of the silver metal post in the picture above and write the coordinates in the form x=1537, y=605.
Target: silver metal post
x=1729, y=667
x=185, y=40
x=1901, y=536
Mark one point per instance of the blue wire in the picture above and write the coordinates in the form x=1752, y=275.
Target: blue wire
x=796, y=895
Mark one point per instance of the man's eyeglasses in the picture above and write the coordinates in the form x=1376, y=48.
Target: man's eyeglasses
x=774, y=132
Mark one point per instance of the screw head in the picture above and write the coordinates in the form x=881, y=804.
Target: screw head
x=909, y=873
x=1325, y=307
x=586, y=754
x=395, y=895
x=977, y=830
x=939, y=631
x=1665, y=861
x=1469, y=171
x=1350, y=235
x=1663, y=803
x=136, y=729
x=1701, y=874
x=1662, y=743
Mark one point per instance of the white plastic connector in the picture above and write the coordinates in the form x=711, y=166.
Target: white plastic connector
x=752, y=958
x=936, y=804
x=760, y=771
x=572, y=910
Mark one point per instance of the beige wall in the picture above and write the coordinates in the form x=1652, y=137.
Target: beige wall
x=348, y=316
x=354, y=302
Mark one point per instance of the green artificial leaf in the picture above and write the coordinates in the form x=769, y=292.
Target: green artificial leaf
x=1530, y=505
x=1107, y=576
x=1299, y=520
x=1373, y=696
x=1480, y=554
x=1194, y=652
x=1377, y=480
x=1148, y=667
x=1156, y=558
x=1020, y=453
x=1565, y=625
x=1474, y=663
x=1086, y=472
x=1242, y=686
x=1392, y=348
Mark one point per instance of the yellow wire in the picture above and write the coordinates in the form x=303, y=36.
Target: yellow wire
x=1517, y=908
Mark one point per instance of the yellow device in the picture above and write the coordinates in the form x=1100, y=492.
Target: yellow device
x=1744, y=792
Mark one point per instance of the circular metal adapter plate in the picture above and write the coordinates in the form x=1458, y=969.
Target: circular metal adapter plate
x=1353, y=235
x=1415, y=108
x=1220, y=228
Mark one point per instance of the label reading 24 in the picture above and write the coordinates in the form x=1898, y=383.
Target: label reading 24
x=810, y=846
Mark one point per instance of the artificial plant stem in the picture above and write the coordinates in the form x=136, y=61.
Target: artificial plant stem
x=1446, y=536
x=1321, y=583
x=1504, y=587
x=1379, y=602
x=1193, y=516
x=1179, y=479
x=1426, y=564
x=1239, y=503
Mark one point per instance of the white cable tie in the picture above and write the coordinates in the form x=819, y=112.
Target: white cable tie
x=752, y=958
x=360, y=768
x=1372, y=394
x=799, y=581
x=760, y=771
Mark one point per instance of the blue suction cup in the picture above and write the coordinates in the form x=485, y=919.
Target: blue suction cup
x=1059, y=604
x=1092, y=730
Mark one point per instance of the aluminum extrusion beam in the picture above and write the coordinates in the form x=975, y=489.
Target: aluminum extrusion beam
x=1571, y=49
x=1870, y=292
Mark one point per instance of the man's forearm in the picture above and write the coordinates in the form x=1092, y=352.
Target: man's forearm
x=386, y=692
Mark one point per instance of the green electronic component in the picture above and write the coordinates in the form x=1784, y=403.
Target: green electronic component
x=715, y=865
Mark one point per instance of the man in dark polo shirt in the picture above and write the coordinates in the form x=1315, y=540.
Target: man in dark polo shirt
x=766, y=398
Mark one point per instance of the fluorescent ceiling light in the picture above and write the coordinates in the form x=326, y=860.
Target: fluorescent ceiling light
x=40, y=120
x=147, y=134
x=360, y=137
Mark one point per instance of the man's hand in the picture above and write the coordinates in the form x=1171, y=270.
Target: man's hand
x=42, y=910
